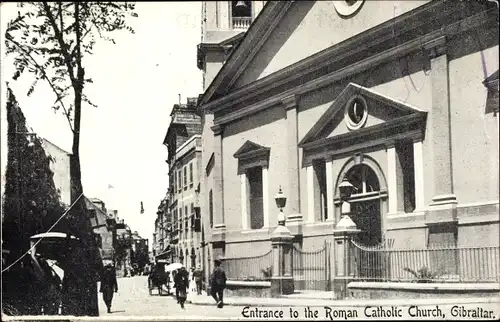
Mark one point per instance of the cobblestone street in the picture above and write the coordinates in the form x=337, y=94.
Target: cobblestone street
x=133, y=299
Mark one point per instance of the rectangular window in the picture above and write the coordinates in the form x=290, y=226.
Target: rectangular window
x=255, y=200
x=185, y=177
x=320, y=195
x=180, y=219
x=211, y=208
x=191, y=174
x=404, y=150
x=179, y=181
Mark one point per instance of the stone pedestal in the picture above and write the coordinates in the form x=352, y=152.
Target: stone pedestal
x=343, y=233
x=282, y=279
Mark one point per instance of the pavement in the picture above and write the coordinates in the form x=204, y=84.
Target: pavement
x=134, y=303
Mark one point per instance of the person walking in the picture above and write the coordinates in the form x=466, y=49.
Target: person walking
x=109, y=285
x=198, y=279
x=218, y=283
x=181, y=280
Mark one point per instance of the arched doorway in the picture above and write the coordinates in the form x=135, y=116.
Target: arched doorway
x=365, y=204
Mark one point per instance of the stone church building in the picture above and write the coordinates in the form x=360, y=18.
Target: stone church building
x=398, y=97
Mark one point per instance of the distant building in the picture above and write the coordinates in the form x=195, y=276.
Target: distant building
x=101, y=227
x=183, y=141
x=140, y=250
x=163, y=229
x=59, y=164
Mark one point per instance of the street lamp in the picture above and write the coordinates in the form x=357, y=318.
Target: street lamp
x=346, y=189
x=280, y=199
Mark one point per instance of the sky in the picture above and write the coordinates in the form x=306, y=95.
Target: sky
x=135, y=84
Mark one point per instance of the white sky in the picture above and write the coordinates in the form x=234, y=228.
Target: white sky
x=136, y=82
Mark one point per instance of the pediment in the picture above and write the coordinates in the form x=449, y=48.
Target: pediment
x=358, y=110
x=251, y=149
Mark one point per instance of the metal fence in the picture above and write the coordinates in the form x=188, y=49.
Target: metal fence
x=256, y=268
x=443, y=264
x=311, y=269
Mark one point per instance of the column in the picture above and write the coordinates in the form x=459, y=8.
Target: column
x=329, y=189
x=224, y=18
x=419, y=174
x=218, y=191
x=439, y=123
x=244, y=207
x=310, y=194
x=293, y=203
x=392, y=179
x=265, y=195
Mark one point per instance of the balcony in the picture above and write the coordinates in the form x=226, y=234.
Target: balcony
x=241, y=23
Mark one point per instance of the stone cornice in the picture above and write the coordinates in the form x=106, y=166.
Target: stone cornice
x=217, y=129
x=290, y=102
x=334, y=55
x=436, y=47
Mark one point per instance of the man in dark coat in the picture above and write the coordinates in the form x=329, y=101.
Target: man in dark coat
x=181, y=280
x=109, y=285
x=218, y=283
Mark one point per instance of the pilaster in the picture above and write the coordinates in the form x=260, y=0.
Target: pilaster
x=330, y=189
x=244, y=207
x=290, y=105
x=310, y=194
x=392, y=184
x=218, y=197
x=440, y=124
x=419, y=175
x=265, y=195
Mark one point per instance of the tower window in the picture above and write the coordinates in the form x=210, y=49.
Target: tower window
x=241, y=8
x=241, y=14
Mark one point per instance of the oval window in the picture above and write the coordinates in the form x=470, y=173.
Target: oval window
x=348, y=7
x=356, y=113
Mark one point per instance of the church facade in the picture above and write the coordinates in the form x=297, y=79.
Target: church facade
x=400, y=98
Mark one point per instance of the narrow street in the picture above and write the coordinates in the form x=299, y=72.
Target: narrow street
x=133, y=299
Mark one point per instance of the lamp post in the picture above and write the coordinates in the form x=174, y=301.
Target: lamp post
x=280, y=199
x=344, y=232
x=282, y=243
x=346, y=189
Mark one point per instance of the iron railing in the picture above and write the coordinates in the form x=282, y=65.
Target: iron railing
x=437, y=264
x=256, y=268
x=241, y=22
x=311, y=269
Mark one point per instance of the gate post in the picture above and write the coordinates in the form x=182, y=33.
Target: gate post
x=343, y=233
x=282, y=243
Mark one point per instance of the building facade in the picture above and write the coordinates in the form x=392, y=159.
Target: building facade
x=101, y=228
x=224, y=24
x=59, y=164
x=183, y=142
x=400, y=98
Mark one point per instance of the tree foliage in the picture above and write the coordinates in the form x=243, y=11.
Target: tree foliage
x=50, y=40
x=31, y=202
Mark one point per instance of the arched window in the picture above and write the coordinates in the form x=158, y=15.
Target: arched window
x=364, y=179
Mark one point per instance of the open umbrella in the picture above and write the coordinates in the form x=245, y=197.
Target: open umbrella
x=173, y=267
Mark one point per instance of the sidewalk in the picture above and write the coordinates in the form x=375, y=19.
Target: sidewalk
x=301, y=300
